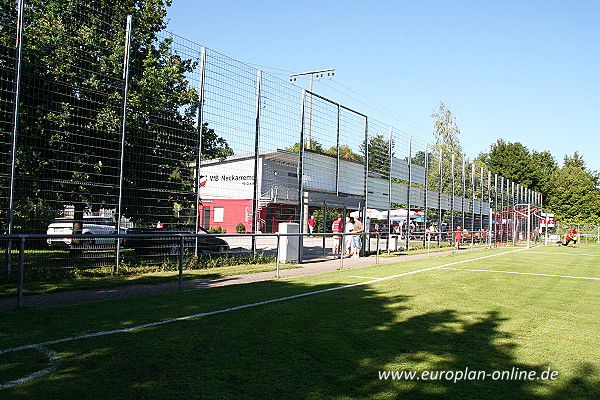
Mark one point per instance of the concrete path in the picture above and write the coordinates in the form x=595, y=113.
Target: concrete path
x=310, y=267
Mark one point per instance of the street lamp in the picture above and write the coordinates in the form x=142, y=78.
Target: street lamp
x=319, y=74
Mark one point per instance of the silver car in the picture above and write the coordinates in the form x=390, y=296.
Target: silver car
x=92, y=225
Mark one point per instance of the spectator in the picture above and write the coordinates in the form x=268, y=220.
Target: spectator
x=457, y=238
x=311, y=225
x=348, y=239
x=337, y=227
x=356, y=240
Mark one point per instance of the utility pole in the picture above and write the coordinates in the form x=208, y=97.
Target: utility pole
x=319, y=74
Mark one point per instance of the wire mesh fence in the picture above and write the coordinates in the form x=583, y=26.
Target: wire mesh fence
x=111, y=125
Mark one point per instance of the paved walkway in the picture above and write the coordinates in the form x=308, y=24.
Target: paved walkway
x=310, y=267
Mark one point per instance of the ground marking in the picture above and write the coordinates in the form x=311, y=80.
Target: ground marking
x=205, y=314
x=521, y=273
x=52, y=366
x=570, y=254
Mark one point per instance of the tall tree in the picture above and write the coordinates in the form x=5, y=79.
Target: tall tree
x=511, y=160
x=446, y=133
x=379, y=154
x=72, y=102
x=575, y=197
x=515, y=162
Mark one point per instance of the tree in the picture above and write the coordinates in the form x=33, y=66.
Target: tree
x=575, y=197
x=314, y=146
x=71, y=111
x=379, y=154
x=346, y=153
x=446, y=134
x=214, y=146
x=515, y=162
x=545, y=165
x=512, y=161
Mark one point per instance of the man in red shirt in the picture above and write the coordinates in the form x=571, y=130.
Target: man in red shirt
x=457, y=238
x=571, y=236
x=311, y=225
x=337, y=227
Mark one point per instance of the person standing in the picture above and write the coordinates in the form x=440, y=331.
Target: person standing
x=536, y=234
x=457, y=238
x=311, y=225
x=337, y=227
x=348, y=228
x=356, y=239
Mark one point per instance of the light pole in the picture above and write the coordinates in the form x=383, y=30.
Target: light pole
x=319, y=74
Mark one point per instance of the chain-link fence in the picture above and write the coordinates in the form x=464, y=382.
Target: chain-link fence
x=109, y=125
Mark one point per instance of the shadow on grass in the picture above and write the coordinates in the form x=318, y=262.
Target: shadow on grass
x=330, y=345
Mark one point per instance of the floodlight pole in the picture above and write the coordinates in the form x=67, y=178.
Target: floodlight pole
x=329, y=72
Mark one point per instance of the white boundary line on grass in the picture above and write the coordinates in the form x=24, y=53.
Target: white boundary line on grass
x=52, y=366
x=570, y=254
x=205, y=314
x=521, y=273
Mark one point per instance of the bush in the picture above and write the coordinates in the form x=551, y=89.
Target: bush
x=217, y=229
x=240, y=228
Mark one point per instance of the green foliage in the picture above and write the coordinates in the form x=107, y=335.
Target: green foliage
x=447, y=142
x=217, y=229
x=313, y=145
x=72, y=105
x=346, y=153
x=571, y=192
x=512, y=161
x=240, y=228
x=574, y=196
x=330, y=214
x=379, y=154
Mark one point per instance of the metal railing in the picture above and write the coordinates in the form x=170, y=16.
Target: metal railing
x=31, y=254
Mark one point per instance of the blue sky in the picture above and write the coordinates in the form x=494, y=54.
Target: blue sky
x=524, y=71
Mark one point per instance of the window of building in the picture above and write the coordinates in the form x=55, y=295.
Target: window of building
x=218, y=214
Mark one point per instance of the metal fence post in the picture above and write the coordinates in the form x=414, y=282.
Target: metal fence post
x=425, y=185
x=440, y=170
x=15, y=121
x=277, y=255
x=256, y=194
x=342, y=241
x=366, y=177
x=123, y=130
x=200, y=124
x=21, y=272
x=472, y=201
x=377, y=253
x=181, y=252
x=408, y=232
x=301, y=169
x=389, y=220
x=452, y=206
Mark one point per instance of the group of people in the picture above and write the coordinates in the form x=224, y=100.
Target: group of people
x=352, y=244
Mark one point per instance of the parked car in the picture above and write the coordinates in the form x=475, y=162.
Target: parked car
x=157, y=242
x=92, y=225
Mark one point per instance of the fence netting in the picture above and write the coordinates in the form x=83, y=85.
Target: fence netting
x=113, y=123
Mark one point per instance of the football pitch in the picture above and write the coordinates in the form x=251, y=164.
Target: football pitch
x=508, y=323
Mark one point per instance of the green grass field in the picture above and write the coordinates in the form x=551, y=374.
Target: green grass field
x=537, y=312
